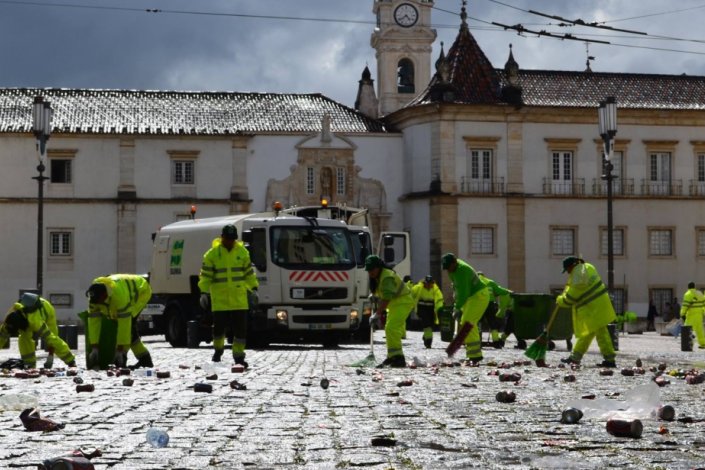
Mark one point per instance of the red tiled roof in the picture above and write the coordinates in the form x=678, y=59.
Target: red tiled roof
x=179, y=113
x=475, y=81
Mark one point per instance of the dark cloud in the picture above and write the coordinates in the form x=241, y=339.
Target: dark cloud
x=101, y=48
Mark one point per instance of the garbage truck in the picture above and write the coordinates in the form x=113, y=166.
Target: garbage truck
x=309, y=262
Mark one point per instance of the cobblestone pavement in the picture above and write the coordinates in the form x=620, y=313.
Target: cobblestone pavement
x=447, y=417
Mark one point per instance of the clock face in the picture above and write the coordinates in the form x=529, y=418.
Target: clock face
x=406, y=15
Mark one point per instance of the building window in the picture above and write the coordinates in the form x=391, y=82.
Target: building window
x=61, y=300
x=661, y=242
x=182, y=172
x=662, y=299
x=482, y=241
x=60, y=169
x=405, y=76
x=562, y=241
x=617, y=241
x=60, y=244
x=701, y=167
x=619, y=300
x=562, y=172
x=700, y=241
x=340, y=180
x=310, y=181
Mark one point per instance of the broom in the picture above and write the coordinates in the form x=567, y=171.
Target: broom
x=537, y=351
x=370, y=359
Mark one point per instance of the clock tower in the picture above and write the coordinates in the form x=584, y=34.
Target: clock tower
x=402, y=40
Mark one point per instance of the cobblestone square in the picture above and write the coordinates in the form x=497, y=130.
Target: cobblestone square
x=448, y=417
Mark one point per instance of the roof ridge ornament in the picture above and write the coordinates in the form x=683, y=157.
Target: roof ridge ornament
x=463, y=16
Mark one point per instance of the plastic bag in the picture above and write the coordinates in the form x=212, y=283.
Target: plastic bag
x=674, y=327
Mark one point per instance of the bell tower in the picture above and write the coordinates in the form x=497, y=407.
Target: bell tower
x=402, y=40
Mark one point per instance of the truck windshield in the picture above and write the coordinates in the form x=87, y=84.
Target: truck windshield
x=320, y=247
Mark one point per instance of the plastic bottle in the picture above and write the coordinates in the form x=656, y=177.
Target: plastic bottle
x=143, y=373
x=157, y=437
x=625, y=428
x=17, y=402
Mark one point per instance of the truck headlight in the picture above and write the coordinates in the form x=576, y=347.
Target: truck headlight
x=282, y=316
x=354, y=316
x=366, y=309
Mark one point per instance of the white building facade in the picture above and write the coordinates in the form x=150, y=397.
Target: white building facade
x=501, y=166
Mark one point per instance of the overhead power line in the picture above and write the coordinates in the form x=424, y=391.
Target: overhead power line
x=521, y=30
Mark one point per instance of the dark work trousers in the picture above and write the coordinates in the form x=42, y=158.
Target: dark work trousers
x=236, y=321
x=489, y=319
x=426, y=315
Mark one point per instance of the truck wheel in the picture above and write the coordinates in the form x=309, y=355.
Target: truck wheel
x=176, y=333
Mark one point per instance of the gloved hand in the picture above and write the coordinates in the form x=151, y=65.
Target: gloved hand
x=93, y=361
x=500, y=313
x=457, y=314
x=560, y=300
x=253, y=297
x=49, y=362
x=120, y=359
x=205, y=302
x=683, y=317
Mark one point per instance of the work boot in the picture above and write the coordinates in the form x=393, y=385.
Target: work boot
x=570, y=360
x=241, y=360
x=499, y=344
x=606, y=363
x=394, y=361
x=521, y=344
x=145, y=361
x=217, y=354
x=473, y=361
x=428, y=342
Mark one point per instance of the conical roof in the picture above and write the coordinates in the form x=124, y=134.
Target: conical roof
x=470, y=75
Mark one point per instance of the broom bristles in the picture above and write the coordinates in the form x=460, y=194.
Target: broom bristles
x=538, y=349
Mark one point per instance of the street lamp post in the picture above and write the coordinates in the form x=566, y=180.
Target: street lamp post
x=607, y=114
x=41, y=125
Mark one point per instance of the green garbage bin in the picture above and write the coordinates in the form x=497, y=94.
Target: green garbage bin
x=106, y=343
x=446, y=324
x=532, y=313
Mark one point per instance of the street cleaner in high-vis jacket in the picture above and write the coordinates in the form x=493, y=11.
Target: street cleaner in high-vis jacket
x=30, y=319
x=394, y=300
x=471, y=299
x=119, y=297
x=587, y=296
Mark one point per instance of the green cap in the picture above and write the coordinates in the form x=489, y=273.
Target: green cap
x=447, y=260
x=229, y=232
x=569, y=261
x=373, y=261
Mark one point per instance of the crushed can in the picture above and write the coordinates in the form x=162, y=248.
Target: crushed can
x=506, y=396
x=571, y=416
x=128, y=382
x=510, y=377
x=67, y=463
x=666, y=413
x=203, y=387
x=85, y=388
x=625, y=428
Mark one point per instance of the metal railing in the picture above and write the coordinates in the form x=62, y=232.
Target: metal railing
x=575, y=187
x=482, y=186
x=620, y=187
x=697, y=188
x=661, y=188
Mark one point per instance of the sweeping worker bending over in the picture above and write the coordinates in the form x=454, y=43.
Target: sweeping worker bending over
x=31, y=318
x=396, y=301
x=471, y=300
x=119, y=297
x=592, y=309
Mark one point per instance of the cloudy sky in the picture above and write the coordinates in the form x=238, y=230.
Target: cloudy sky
x=315, y=46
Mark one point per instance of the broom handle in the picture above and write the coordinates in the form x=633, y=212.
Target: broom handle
x=553, y=317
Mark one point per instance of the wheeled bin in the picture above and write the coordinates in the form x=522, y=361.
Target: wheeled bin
x=446, y=324
x=106, y=343
x=531, y=314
